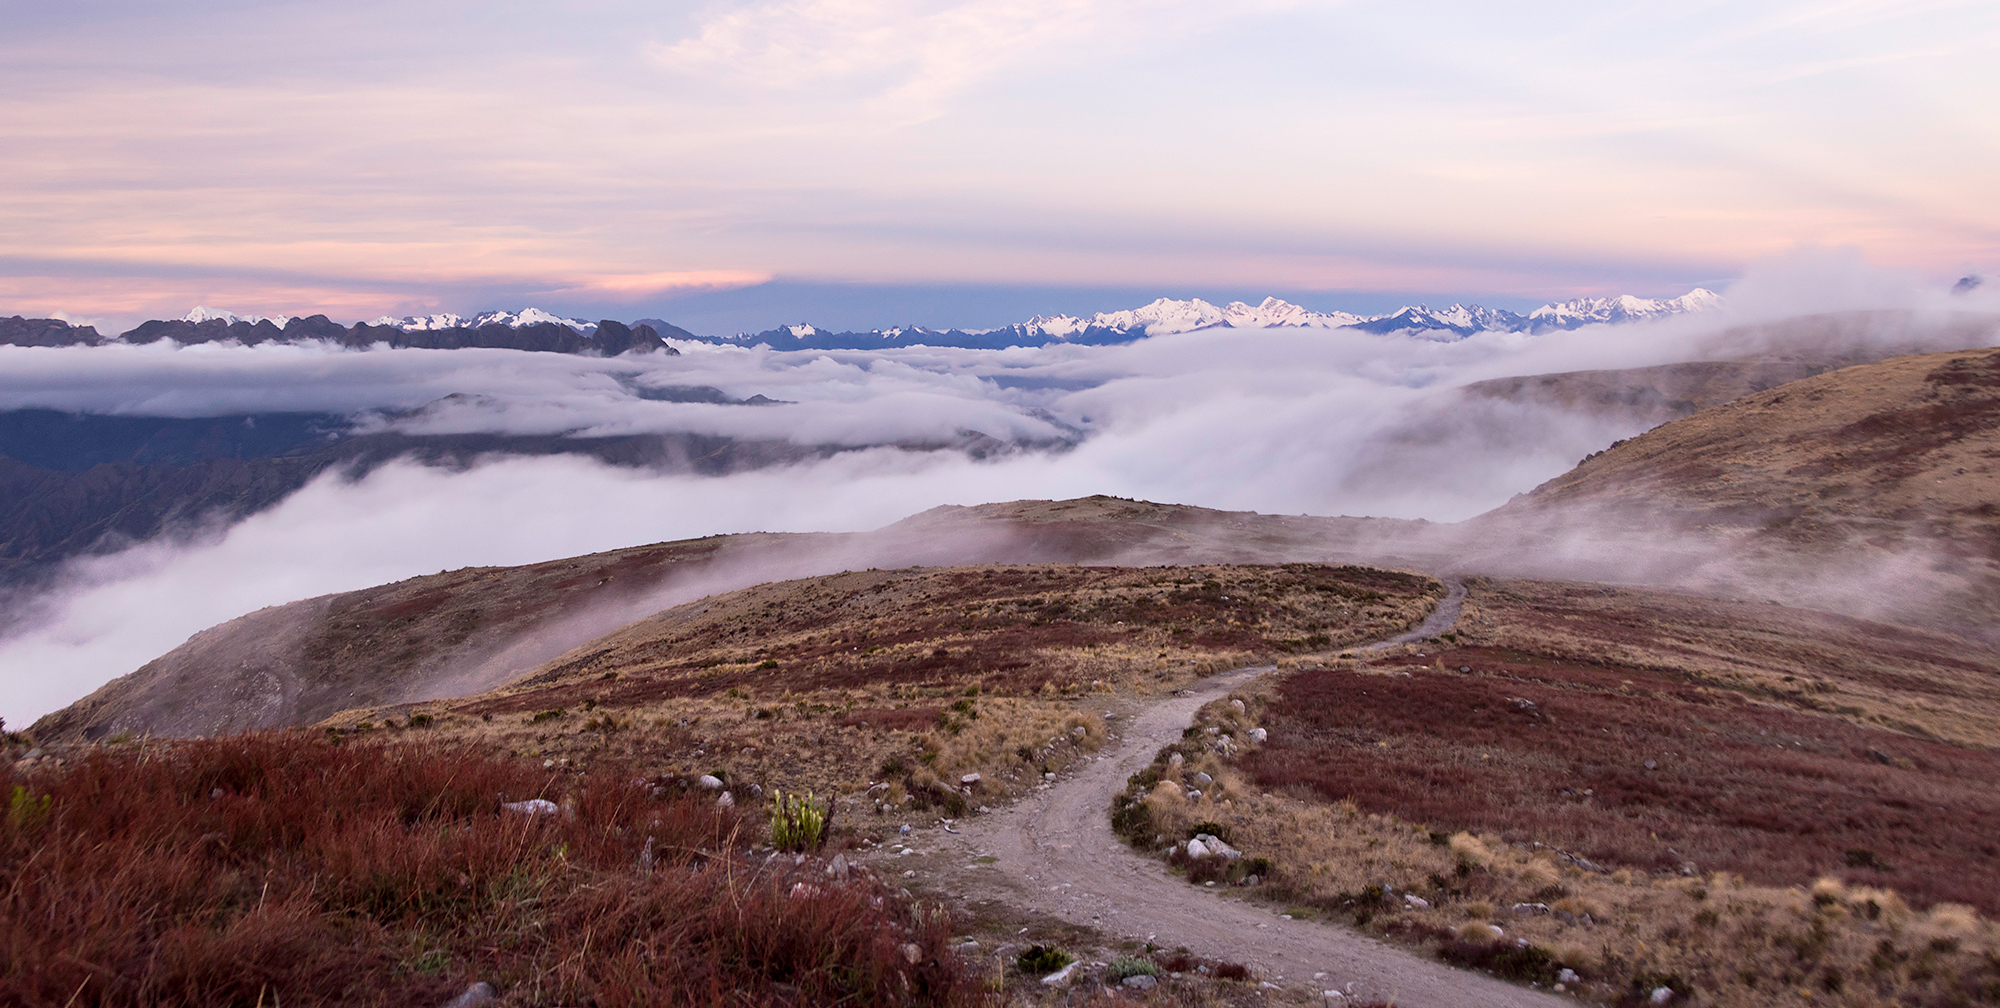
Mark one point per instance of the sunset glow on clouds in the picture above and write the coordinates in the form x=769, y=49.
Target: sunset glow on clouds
x=595, y=154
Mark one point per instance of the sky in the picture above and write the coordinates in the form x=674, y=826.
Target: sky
x=860, y=162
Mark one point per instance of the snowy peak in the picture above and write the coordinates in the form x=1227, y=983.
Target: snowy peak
x=528, y=317
x=1624, y=308
x=513, y=320
x=1165, y=315
x=421, y=323
x=201, y=314
x=1458, y=320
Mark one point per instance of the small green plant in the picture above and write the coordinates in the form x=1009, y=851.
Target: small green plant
x=767, y=664
x=25, y=811
x=1042, y=959
x=421, y=720
x=547, y=715
x=1129, y=966
x=799, y=823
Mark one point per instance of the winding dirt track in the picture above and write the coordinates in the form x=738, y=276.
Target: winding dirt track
x=1057, y=855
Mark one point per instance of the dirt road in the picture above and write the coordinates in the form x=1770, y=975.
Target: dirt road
x=1057, y=855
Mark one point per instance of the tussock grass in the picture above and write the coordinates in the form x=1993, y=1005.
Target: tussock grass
x=278, y=869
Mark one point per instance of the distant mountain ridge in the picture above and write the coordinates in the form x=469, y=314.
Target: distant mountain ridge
x=1166, y=316
x=538, y=330
x=531, y=329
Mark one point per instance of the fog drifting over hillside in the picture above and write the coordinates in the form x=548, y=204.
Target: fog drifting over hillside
x=1277, y=421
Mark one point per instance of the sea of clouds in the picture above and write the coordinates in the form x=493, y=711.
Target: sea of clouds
x=1322, y=422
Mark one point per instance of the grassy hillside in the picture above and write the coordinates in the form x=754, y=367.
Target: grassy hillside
x=1747, y=804
x=459, y=633
x=912, y=678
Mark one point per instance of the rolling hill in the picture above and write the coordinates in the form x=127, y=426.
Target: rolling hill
x=1873, y=490
x=458, y=633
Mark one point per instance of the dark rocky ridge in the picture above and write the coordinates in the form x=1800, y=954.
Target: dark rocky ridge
x=18, y=331
x=609, y=339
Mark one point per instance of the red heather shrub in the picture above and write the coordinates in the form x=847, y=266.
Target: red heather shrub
x=279, y=869
x=1629, y=767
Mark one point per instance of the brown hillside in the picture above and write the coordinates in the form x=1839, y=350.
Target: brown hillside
x=990, y=626
x=458, y=633
x=931, y=672
x=1869, y=489
x=1649, y=394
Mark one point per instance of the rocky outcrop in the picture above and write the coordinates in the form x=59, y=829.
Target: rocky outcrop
x=45, y=332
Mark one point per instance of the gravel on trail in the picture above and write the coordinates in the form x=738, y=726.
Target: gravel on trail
x=1056, y=854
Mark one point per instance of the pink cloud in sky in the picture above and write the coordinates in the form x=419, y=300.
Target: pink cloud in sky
x=363, y=157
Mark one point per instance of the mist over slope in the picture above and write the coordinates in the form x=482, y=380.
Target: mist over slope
x=1873, y=489
x=1283, y=421
x=458, y=633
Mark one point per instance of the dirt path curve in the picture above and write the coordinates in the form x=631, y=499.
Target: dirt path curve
x=1057, y=855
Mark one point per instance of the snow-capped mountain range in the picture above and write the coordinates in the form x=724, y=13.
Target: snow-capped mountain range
x=1166, y=316
x=534, y=328
x=524, y=317
x=408, y=323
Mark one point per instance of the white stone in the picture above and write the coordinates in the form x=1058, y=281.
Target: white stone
x=969, y=779
x=480, y=993
x=1661, y=995
x=533, y=806
x=710, y=781
x=1061, y=976
x=1416, y=902
x=1259, y=734
x=1196, y=848
x=1139, y=981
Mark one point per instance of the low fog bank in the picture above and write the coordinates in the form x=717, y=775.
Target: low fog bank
x=1275, y=421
